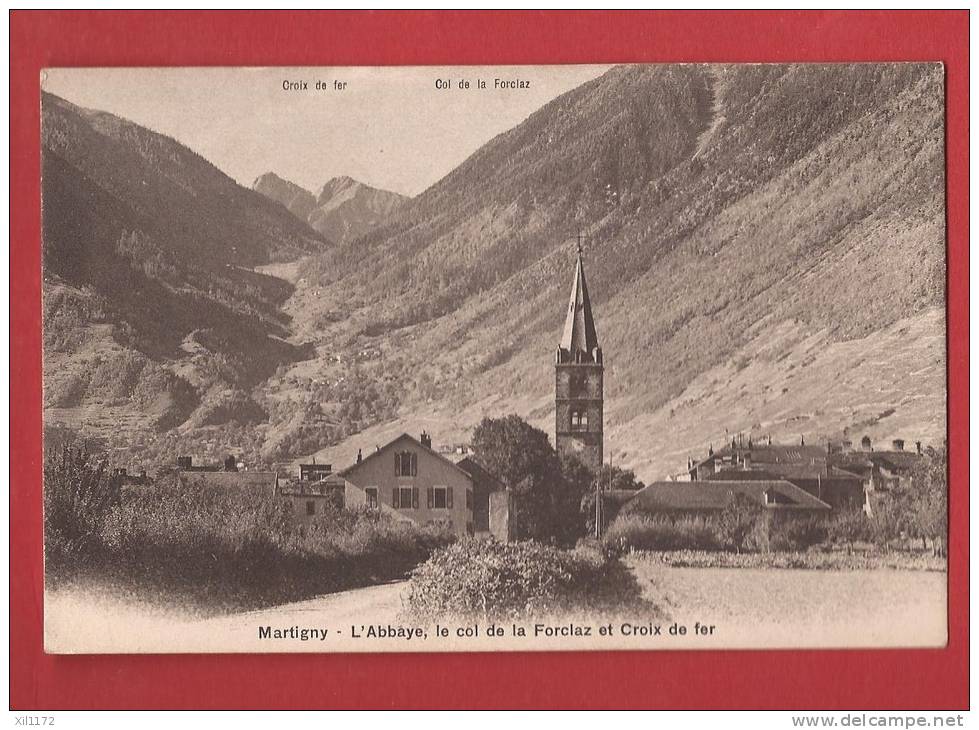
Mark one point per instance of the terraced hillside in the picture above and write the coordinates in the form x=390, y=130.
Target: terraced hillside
x=745, y=225
x=764, y=248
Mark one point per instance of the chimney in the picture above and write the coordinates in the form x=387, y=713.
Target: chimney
x=426, y=440
x=917, y=445
x=898, y=444
x=360, y=456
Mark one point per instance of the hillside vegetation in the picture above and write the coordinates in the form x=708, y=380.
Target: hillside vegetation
x=765, y=251
x=152, y=311
x=741, y=219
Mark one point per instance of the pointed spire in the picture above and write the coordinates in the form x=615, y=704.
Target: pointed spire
x=579, y=327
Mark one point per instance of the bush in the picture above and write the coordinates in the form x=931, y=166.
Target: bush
x=847, y=527
x=78, y=495
x=229, y=549
x=742, y=525
x=799, y=533
x=752, y=531
x=489, y=579
x=639, y=532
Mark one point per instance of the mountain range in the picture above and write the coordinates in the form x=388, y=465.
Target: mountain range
x=154, y=316
x=343, y=209
x=764, y=246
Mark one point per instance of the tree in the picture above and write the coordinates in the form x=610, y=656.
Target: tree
x=928, y=514
x=78, y=494
x=569, y=503
x=738, y=520
x=620, y=480
x=523, y=458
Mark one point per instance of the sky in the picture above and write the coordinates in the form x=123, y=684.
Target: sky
x=389, y=127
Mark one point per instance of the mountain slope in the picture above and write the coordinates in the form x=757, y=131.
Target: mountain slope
x=299, y=201
x=764, y=248
x=347, y=209
x=343, y=209
x=152, y=313
x=723, y=206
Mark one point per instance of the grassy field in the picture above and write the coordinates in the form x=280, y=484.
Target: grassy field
x=810, y=560
x=799, y=607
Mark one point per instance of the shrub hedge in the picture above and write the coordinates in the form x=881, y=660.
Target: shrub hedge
x=490, y=579
x=227, y=550
x=640, y=533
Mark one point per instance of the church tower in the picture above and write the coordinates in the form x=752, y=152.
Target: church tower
x=579, y=375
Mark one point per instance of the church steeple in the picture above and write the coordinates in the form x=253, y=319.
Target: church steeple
x=579, y=375
x=579, y=326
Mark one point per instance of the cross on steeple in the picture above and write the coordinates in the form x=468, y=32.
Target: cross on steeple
x=580, y=236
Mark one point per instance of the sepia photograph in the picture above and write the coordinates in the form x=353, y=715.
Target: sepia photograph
x=494, y=358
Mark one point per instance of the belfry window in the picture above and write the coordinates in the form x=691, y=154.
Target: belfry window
x=579, y=420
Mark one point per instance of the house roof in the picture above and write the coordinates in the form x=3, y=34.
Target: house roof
x=895, y=460
x=777, y=471
x=765, y=453
x=619, y=496
x=229, y=479
x=853, y=460
x=478, y=473
x=320, y=488
x=579, y=326
x=414, y=442
x=717, y=494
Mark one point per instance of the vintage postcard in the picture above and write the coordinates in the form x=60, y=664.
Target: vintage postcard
x=494, y=358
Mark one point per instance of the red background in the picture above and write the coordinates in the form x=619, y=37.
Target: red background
x=895, y=679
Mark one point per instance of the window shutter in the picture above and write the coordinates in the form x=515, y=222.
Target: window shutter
x=397, y=464
x=414, y=464
x=414, y=497
x=448, y=497
x=431, y=497
x=395, y=497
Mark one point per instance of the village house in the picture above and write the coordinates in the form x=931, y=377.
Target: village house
x=484, y=485
x=317, y=492
x=408, y=480
x=706, y=498
x=314, y=472
x=836, y=474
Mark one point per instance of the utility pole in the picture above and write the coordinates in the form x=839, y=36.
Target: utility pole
x=598, y=508
x=598, y=499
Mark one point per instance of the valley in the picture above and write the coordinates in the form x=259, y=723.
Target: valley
x=764, y=244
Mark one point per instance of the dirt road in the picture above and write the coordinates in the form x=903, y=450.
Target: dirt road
x=742, y=608
x=106, y=624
